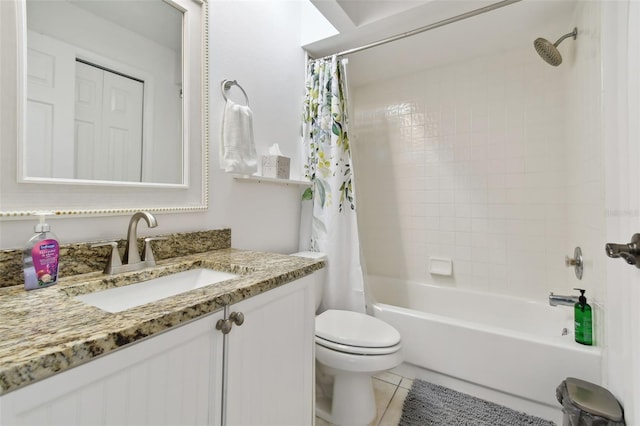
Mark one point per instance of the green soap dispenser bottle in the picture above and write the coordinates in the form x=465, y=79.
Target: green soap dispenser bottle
x=583, y=320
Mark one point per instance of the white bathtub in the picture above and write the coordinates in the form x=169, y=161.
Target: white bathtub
x=505, y=349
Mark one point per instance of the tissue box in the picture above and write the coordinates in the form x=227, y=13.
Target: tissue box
x=275, y=166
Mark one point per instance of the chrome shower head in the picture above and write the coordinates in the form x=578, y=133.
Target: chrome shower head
x=549, y=51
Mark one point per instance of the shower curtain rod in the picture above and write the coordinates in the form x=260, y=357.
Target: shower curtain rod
x=438, y=24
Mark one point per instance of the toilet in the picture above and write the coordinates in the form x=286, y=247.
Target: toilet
x=351, y=347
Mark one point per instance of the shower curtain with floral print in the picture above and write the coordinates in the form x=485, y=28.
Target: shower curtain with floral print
x=334, y=229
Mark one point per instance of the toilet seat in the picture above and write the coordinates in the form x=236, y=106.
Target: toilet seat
x=356, y=350
x=355, y=333
x=350, y=363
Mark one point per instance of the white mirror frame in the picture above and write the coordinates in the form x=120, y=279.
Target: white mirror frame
x=19, y=197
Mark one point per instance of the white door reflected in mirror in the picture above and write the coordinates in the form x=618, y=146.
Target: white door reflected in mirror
x=108, y=125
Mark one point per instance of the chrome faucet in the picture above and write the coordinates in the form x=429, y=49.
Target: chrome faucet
x=131, y=254
x=131, y=260
x=555, y=300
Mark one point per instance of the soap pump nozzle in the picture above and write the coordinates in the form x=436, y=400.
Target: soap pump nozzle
x=582, y=300
x=42, y=226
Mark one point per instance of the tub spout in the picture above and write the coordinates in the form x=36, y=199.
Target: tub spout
x=556, y=299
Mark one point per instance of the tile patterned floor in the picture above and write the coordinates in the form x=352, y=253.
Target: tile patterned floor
x=390, y=391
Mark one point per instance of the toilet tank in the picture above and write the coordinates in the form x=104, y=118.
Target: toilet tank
x=319, y=276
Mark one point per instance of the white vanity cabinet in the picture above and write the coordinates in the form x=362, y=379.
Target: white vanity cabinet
x=168, y=379
x=271, y=358
x=176, y=378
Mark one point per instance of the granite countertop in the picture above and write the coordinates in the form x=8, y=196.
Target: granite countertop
x=46, y=331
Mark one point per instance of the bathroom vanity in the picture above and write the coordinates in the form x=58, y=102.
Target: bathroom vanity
x=166, y=362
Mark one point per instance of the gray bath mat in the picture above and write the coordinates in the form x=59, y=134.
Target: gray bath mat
x=429, y=404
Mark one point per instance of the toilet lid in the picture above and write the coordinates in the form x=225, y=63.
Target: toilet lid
x=355, y=329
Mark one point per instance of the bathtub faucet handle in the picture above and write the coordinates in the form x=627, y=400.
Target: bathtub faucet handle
x=576, y=262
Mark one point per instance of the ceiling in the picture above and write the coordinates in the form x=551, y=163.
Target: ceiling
x=360, y=22
x=365, y=12
x=155, y=20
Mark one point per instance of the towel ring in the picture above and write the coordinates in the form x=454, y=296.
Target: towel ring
x=227, y=84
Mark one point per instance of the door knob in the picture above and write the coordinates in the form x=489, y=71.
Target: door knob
x=629, y=252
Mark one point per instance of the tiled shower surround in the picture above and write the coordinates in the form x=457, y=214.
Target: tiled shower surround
x=475, y=161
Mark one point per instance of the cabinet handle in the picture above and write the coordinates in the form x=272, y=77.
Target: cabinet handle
x=225, y=325
x=237, y=317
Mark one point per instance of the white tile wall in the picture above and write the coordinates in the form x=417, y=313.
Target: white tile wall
x=476, y=161
x=585, y=184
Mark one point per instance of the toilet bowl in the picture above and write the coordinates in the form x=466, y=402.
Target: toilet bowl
x=351, y=347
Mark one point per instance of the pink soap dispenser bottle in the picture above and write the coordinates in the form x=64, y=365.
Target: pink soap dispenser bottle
x=40, y=257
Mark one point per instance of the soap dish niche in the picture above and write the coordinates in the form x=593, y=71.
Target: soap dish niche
x=441, y=266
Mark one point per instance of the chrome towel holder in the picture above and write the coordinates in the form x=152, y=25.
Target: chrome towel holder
x=227, y=84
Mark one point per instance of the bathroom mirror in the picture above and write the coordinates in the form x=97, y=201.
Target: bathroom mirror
x=111, y=107
x=104, y=91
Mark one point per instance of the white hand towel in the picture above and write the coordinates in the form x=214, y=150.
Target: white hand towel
x=237, y=147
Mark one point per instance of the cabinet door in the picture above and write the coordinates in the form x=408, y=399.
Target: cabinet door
x=169, y=379
x=271, y=358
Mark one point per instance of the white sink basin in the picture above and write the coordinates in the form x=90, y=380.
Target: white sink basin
x=129, y=296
